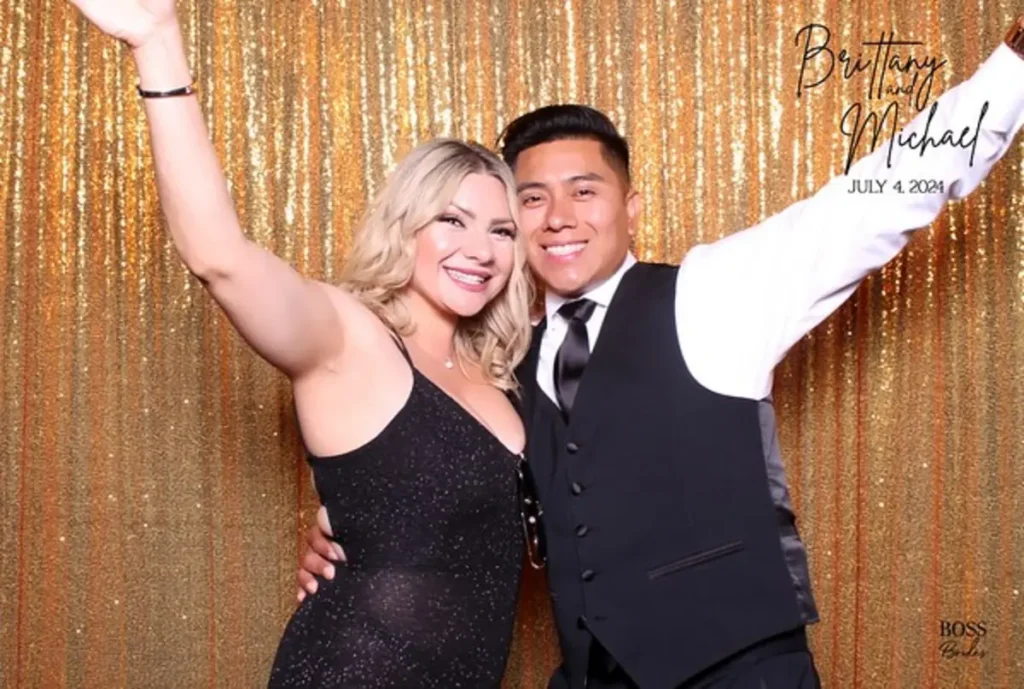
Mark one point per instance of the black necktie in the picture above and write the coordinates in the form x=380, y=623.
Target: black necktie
x=573, y=354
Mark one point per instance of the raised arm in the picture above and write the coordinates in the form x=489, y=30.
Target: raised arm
x=290, y=321
x=745, y=300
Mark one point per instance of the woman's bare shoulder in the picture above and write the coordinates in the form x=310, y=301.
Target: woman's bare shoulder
x=363, y=329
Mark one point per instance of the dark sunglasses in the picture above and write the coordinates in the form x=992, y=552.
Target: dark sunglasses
x=531, y=512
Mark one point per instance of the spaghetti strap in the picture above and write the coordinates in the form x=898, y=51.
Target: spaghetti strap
x=401, y=346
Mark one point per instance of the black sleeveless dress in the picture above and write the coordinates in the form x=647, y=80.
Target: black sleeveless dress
x=428, y=516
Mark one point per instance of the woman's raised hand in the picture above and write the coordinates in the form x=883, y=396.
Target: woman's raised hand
x=131, y=21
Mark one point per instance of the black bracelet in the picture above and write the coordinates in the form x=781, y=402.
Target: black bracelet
x=181, y=91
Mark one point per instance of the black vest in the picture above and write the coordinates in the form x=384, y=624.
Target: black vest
x=663, y=542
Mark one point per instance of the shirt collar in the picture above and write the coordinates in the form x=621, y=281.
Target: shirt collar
x=601, y=294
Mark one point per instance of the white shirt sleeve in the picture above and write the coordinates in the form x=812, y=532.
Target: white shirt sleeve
x=743, y=301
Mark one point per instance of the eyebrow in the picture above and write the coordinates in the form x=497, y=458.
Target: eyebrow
x=472, y=216
x=528, y=185
x=585, y=177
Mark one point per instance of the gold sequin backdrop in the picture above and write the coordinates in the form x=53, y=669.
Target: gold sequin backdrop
x=152, y=490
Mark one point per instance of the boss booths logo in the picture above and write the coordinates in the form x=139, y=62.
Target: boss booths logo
x=962, y=638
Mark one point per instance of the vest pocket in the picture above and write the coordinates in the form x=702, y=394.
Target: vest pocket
x=696, y=559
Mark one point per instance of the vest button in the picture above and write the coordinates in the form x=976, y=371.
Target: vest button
x=587, y=575
x=576, y=488
x=573, y=448
x=582, y=530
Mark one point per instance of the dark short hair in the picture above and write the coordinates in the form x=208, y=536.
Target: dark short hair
x=559, y=122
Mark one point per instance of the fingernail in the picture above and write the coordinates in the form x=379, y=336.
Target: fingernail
x=302, y=596
x=312, y=586
x=329, y=572
x=339, y=554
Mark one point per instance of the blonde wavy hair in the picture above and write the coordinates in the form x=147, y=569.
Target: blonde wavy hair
x=380, y=265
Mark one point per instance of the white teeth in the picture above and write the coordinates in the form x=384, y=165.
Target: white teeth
x=565, y=249
x=465, y=277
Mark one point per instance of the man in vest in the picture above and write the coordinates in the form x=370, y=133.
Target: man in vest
x=673, y=558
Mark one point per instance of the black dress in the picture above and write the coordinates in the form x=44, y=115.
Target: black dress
x=427, y=514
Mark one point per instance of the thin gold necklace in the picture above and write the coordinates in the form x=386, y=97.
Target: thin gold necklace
x=447, y=361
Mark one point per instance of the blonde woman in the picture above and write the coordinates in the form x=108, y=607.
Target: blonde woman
x=400, y=379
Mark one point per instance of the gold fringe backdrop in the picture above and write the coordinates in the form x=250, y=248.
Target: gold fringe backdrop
x=151, y=489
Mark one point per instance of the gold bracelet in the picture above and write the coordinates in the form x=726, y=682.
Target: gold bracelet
x=1015, y=37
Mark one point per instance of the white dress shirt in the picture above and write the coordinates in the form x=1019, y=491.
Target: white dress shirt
x=743, y=301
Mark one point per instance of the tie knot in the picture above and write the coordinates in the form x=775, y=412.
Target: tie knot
x=580, y=310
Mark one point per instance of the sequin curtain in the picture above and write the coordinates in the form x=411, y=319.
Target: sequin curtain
x=151, y=490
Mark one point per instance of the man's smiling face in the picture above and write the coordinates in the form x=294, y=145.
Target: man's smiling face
x=578, y=212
